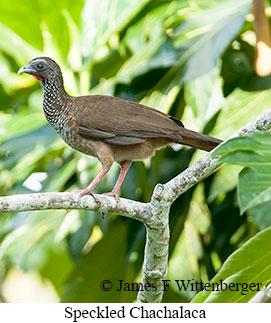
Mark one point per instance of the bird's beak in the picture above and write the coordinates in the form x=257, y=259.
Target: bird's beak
x=26, y=69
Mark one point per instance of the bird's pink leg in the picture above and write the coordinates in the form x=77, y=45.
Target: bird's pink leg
x=93, y=184
x=124, y=169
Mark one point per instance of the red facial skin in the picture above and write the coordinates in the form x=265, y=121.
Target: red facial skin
x=37, y=77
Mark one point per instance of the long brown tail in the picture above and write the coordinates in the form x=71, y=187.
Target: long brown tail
x=198, y=140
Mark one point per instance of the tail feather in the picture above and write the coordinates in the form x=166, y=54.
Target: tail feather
x=198, y=140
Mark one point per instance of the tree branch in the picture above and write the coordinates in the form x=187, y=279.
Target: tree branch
x=47, y=201
x=154, y=214
x=156, y=249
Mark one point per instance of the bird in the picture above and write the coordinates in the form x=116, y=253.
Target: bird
x=106, y=127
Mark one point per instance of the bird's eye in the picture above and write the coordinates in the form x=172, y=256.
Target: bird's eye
x=40, y=66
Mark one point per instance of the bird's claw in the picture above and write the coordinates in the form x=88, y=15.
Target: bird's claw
x=113, y=194
x=87, y=192
x=95, y=196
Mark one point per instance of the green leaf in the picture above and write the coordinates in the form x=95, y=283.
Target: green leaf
x=24, y=20
x=252, y=151
x=254, y=187
x=261, y=215
x=32, y=18
x=249, y=264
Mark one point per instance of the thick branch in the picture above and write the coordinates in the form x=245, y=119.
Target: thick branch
x=46, y=201
x=156, y=250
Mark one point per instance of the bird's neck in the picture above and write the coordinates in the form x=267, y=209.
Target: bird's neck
x=53, y=90
x=54, y=100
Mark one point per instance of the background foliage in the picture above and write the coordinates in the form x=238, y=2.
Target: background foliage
x=191, y=59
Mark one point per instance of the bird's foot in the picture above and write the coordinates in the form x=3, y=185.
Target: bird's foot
x=87, y=191
x=113, y=194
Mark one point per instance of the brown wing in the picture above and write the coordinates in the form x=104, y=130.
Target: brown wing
x=121, y=122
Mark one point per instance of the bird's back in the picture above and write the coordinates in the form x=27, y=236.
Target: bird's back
x=121, y=117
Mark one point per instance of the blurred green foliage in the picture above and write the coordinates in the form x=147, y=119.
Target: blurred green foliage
x=191, y=59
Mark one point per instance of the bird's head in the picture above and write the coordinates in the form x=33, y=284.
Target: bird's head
x=42, y=68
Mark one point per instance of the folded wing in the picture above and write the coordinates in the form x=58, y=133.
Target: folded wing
x=121, y=122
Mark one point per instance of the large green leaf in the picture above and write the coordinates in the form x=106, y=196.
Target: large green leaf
x=24, y=20
x=31, y=18
x=261, y=214
x=254, y=185
x=249, y=264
